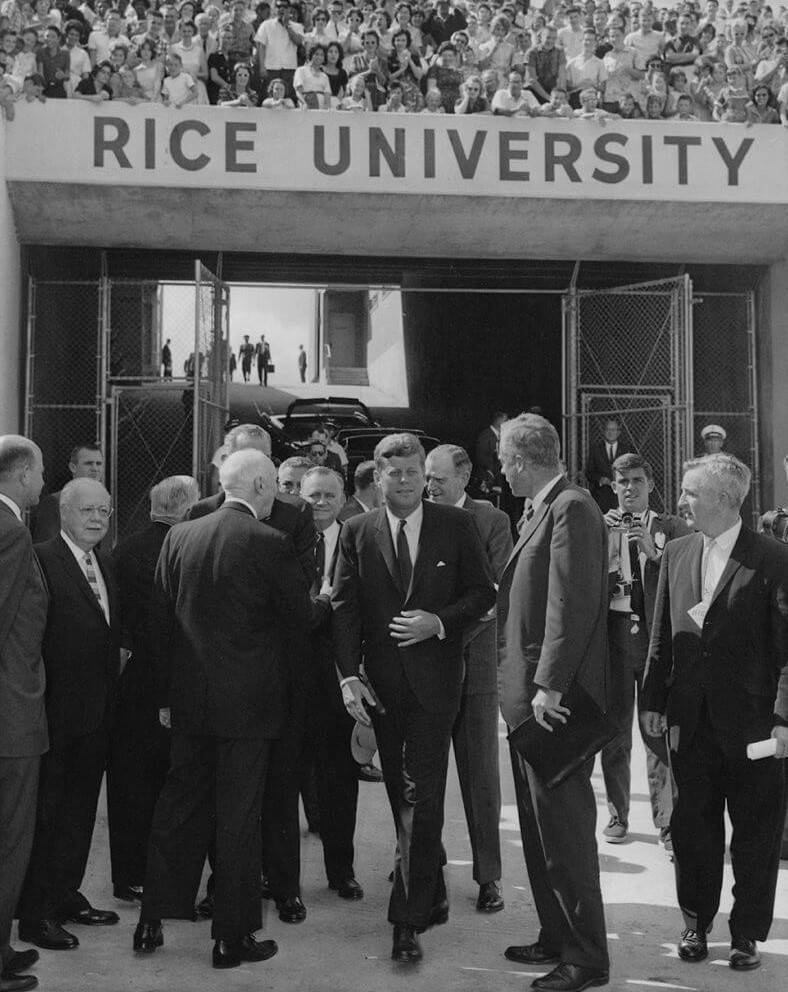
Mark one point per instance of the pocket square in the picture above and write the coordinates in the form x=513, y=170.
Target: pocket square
x=441, y=564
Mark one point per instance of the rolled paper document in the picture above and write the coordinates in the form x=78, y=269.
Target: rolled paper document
x=762, y=749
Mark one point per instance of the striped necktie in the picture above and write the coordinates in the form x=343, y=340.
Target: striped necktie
x=90, y=575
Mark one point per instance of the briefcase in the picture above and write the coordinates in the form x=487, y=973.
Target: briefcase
x=271, y=368
x=555, y=756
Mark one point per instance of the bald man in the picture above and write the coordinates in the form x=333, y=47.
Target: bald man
x=81, y=652
x=231, y=609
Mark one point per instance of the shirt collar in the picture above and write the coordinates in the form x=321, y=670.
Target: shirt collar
x=331, y=533
x=237, y=499
x=726, y=539
x=361, y=503
x=413, y=519
x=461, y=501
x=12, y=506
x=75, y=549
x=544, y=491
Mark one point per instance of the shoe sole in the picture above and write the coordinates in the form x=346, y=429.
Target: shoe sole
x=615, y=840
x=744, y=967
x=490, y=909
x=351, y=896
x=694, y=960
x=531, y=961
x=405, y=958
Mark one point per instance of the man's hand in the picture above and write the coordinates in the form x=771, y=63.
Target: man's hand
x=654, y=724
x=613, y=517
x=780, y=734
x=164, y=717
x=645, y=540
x=354, y=695
x=413, y=626
x=547, y=702
x=604, y=481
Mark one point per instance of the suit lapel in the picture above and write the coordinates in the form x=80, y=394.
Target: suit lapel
x=78, y=577
x=734, y=563
x=695, y=556
x=527, y=532
x=427, y=541
x=386, y=547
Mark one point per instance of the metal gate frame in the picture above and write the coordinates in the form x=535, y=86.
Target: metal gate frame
x=624, y=396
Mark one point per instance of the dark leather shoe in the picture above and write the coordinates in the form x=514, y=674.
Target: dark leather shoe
x=226, y=955
x=531, y=954
x=128, y=893
x=570, y=978
x=47, y=934
x=20, y=961
x=744, y=954
x=148, y=936
x=439, y=914
x=490, y=899
x=291, y=910
x=93, y=917
x=257, y=950
x=693, y=946
x=17, y=983
x=348, y=889
x=204, y=908
x=406, y=946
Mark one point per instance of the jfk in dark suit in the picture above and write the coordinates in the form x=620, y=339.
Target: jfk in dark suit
x=140, y=745
x=81, y=653
x=552, y=630
x=23, y=727
x=411, y=578
x=475, y=732
x=599, y=467
x=636, y=549
x=717, y=679
x=230, y=608
x=85, y=462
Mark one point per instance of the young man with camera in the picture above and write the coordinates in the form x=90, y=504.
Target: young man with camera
x=637, y=539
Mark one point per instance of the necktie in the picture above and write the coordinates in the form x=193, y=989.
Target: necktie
x=90, y=575
x=403, y=558
x=610, y=453
x=320, y=559
x=636, y=597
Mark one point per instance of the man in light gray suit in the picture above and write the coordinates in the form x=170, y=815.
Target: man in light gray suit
x=23, y=723
x=475, y=734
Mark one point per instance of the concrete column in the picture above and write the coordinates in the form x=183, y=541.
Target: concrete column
x=11, y=377
x=773, y=381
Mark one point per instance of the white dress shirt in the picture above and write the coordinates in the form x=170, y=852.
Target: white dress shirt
x=12, y=506
x=79, y=554
x=619, y=558
x=715, y=557
x=330, y=538
x=412, y=530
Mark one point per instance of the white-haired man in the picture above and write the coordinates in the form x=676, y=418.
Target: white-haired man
x=231, y=607
x=716, y=681
x=140, y=746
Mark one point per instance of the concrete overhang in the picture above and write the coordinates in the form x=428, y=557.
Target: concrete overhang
x=395, y=185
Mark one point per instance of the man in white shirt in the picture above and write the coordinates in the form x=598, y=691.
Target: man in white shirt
x=514, y=100
x=277, y=41
x=716, y=681
x=570, y=38
x=103, y=35
x=645, y=40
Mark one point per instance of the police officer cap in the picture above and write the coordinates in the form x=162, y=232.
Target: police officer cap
x=710, y=429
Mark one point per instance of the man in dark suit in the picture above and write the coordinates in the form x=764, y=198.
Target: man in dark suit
x=717, y=680
x=85, y=462
x=552, y=613
x=638, y=537
x=475, y=732
x=288, y=513
x=366, y=495
x=23, y=727
x=82, y=657
x=140, y=746
x=230, y=608
x=411, y=577
x=599, y=467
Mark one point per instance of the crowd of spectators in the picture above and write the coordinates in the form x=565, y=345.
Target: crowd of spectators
x=703, y=60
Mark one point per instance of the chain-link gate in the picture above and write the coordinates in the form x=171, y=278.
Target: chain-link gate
x=627, y=354
x=95, y=374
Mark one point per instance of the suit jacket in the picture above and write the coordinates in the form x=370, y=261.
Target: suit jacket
x=45, y=518
x=487, y=452
x=598, y=467
x=736, y=665
x=352, y=508
x=291, y=517
x=81, y=650
x=451, y=578
x=325, y=698
x=552, y=604
x=231, y=609
x=23, y=614
x=135, y=560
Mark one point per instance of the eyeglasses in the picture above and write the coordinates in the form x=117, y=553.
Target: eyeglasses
x=105, y=512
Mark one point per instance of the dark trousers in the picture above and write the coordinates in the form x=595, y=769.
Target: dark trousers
x=18, y=796
x=475, y=738
x=558, y=833
x=337, y=794
x=708, y=778
x=137, y=769
x=262, y=372
x=280, y=830
x=302, y=373
x=68, y=791
x=246, y=368
x=414, y=753
x=628, y=653
x=213, y=783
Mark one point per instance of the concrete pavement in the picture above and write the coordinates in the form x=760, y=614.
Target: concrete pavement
x=345, y=947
